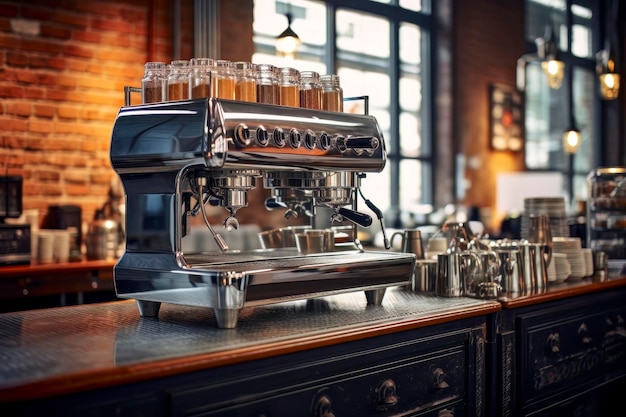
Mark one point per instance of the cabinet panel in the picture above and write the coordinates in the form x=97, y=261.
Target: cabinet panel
x=431, y=375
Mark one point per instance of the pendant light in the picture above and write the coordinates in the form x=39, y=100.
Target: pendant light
x=547, y=54
x=571, y=139
x=608, y=76
x=547, y=51
x=287, y=43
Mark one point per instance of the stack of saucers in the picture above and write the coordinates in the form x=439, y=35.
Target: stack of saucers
x=572, y=248
x=588, y=260
x=560, y=267
x=554, y=207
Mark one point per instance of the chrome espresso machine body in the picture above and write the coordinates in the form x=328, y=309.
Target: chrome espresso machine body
x=175, y=157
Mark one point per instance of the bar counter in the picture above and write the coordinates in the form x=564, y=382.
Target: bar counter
x=57, y=351
x=62, y=351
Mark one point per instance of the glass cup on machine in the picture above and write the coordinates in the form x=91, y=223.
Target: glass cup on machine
x=154, y=82
x=178, y=80
x=332, y=93
x=289, y=87
x=267, y=84
x=310, y=90
x=245, y=81
x=201, y=77
x=225, y=79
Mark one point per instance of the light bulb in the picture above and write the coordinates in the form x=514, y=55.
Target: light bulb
x=555, y=70
x=571, y=140
x=609, y=85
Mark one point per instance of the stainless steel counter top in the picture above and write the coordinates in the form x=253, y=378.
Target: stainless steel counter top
x=54, y=351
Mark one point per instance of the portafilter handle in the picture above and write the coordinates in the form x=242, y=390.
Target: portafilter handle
x=361, y=219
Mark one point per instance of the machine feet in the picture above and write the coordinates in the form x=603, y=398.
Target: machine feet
x=148, y=308
x=226, y=317
x=375, y=297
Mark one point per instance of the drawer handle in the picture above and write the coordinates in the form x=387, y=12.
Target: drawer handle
x=323, y=407
x=583, y=333
x=553, y=344
x=439, y=379
x=386, y=395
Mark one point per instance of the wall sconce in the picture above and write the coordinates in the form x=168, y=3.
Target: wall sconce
x=287, y=43
x=609, y=78
x=547, y=50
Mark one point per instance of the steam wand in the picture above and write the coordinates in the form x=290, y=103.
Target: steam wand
x=379, y=214
x=201, y=181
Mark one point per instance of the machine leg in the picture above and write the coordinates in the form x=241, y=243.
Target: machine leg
x=148, y=308
x=226, y=317
x=375, y=297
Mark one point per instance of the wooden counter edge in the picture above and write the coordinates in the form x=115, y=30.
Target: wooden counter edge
x=74, y=383
x=585, y=286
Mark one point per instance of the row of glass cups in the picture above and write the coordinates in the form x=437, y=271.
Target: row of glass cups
x=243, y=81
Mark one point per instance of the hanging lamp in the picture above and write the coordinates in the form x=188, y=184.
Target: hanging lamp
x=288, y=41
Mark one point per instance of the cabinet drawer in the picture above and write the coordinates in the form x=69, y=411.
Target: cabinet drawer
x=417, y=377
x=569, y=346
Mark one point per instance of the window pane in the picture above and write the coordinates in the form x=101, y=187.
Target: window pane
x=546, y=120
x=415, y=5
x=583, y=83
x=410, y=90
x=581, y=32
x=541, y=13
x=362, y=33
x=269, y=22
x=410, y=183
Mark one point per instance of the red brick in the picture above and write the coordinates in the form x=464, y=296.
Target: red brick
x=44, y=110
x=9, y=41
x=77, y=189
x=11, y=91
x=66, y=111
x=78, y=65
x=88, y=36
x=42, y=126
x=13, y=124
x=54, y=31
x=5, y=25
x=78, y=51
x=35, y=13
x=17, y=108
x=56, y=94
x=34, y=92
x=40, y=45
x=9, y=10
x=70, y=18
x=8, y=75
x=38, y=61
x=17, y=59
x=113, y=25
x=26, y=77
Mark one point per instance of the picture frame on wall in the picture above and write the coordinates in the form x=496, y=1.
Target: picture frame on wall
x=506, y=112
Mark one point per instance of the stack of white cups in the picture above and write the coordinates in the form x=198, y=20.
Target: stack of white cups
x=45, y=246
x=53, y=246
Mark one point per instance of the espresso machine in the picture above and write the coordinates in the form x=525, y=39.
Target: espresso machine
x=174, y=158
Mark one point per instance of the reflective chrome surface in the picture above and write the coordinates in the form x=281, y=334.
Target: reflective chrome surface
x=176, y=158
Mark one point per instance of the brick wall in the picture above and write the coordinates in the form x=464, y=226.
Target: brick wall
x=63, y=67
x=488, y=41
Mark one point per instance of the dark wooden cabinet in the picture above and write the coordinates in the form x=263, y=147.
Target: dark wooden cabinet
x=399, y=359
x=565, y=357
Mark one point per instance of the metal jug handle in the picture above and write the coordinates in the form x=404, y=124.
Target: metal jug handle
x=401, y=234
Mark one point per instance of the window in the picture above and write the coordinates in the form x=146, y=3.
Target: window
x=379, y=49
x=550, y=112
